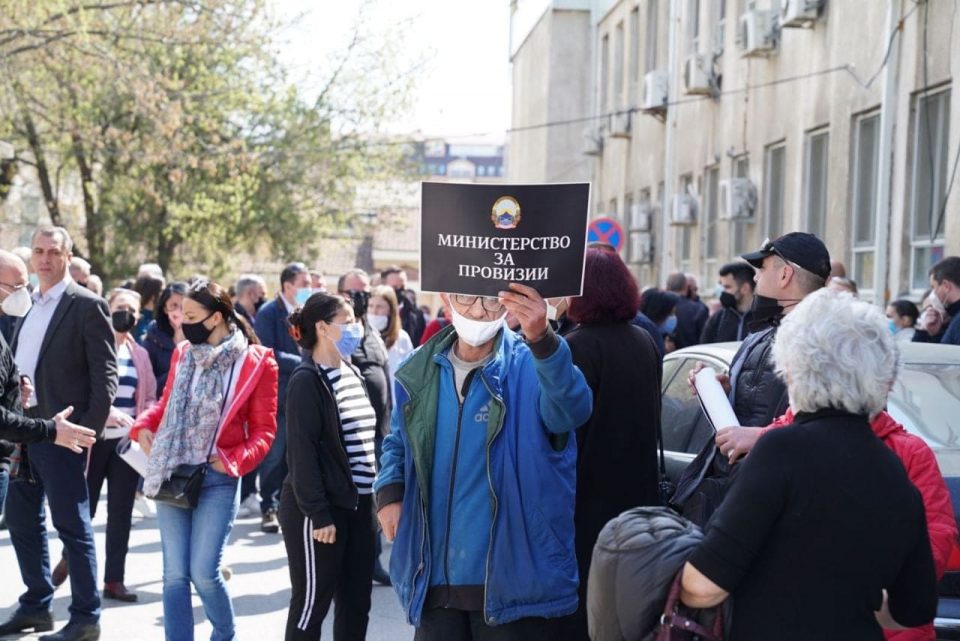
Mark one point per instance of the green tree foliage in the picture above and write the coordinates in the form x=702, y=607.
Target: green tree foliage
x=189, y=140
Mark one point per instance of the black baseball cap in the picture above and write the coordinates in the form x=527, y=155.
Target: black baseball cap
x=801, y=249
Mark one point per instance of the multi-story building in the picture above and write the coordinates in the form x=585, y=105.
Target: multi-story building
x=715, y=124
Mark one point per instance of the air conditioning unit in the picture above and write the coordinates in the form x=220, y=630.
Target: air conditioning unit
x=798, y=13
x=620, y=125
x=641, y=247
x=593, y=142
x=697, y=75
x=758, y=33
x=684, y=210
x=656, y=90
x=640, y=216
x=738, y=199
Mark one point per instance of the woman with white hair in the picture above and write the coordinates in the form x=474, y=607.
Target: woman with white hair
x=822, y=534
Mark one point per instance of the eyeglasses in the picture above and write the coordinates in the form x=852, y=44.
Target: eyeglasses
x=489, y=303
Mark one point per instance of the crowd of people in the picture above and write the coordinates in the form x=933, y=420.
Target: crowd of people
x=491, y=443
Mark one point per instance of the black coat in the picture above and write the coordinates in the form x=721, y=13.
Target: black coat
x=691, y=319
x=77, y=363
x=371, y=359
x=727, y=325
x=759, y=395
x=617, y=447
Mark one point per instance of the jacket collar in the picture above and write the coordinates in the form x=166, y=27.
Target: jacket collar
x=829, y=413
x=413, y=374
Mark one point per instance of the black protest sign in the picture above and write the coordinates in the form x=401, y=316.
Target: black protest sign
x=476, y=238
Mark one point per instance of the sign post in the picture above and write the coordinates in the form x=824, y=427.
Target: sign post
x=477, y=238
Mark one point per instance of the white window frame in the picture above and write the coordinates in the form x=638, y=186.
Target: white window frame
x=633, y=68
x=619, y=54
x=605, y=73
x=711, y=217
x=858, y=247
x=941, y=135
x=768, y=195
x=739, y=236
x=807, y=204
x=651, y=36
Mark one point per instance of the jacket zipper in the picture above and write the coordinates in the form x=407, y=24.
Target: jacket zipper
x=496, y=504
x=453, y=470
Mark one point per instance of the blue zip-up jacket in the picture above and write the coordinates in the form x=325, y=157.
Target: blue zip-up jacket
x=517, y=538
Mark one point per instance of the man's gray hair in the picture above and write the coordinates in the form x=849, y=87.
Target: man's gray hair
x=51, y=230
x=836, y=351
x=356, y=271
x=246, y=282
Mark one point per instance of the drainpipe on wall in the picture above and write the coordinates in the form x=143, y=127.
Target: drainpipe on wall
x=888, y=117
x=666, y=244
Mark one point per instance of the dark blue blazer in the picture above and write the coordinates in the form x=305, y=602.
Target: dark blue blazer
x=272, y=328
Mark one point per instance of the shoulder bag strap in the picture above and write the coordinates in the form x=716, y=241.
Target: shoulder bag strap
x=223, y=406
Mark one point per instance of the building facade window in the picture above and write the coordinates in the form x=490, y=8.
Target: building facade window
x=740, y=229
x=685, y=237
x=928, y=180
x=815, y=162
x=693, y=25
x=633, y=68
x=618, y=53
x=774, y=166
x=650, y=42
x=604, y=73
x=720, y=26
x=866, y=132
x=711, y=213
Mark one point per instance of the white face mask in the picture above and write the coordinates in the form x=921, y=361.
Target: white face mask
x=473, y=332
x=18, y=303
x=377, y=321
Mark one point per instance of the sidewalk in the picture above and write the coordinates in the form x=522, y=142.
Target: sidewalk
x=260, y=588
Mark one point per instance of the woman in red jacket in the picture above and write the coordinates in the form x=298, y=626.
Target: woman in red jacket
x=219, y=405
x=921, y=466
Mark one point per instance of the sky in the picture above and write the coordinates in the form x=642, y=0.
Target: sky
x=464, y=88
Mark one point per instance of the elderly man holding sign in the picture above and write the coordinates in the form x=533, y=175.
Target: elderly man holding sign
x=478, y=474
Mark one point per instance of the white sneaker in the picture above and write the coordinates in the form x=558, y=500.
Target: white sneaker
x=144, y=507
x=250, y=506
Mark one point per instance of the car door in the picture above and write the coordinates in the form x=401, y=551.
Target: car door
x=685, y=428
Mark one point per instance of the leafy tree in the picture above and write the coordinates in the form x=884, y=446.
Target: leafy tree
x=189, y=141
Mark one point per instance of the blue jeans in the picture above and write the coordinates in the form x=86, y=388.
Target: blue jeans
x=193, y=542
x=58, y=476
x=273, y=468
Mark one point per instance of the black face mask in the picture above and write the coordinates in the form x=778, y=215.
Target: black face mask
x=259, y=303
x=197, y=333
x=123, y=321
x=769, y=309
x=728, y=300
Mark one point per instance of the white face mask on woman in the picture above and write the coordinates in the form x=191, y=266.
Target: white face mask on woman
x=378, y=322
x=473, y=332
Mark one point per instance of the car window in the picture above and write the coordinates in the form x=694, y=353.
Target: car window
x=670, y=366
x=926, y=400
x=685, y=428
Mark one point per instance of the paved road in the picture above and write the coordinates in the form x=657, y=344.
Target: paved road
x=260, y=588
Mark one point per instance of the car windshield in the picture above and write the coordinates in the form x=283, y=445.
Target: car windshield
x=926, y=400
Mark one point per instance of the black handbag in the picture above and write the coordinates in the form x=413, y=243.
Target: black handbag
x=183, y=487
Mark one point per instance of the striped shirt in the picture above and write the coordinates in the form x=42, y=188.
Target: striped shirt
x=126, y=382
x=358, y=425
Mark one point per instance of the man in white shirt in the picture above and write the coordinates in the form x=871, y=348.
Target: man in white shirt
x=65, y=345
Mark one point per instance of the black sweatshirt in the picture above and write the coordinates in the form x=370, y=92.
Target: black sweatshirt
x=319, y=470
x=820, y=519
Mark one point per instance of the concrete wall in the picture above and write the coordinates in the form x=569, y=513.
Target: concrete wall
x=551, y=83
x=808, y=83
